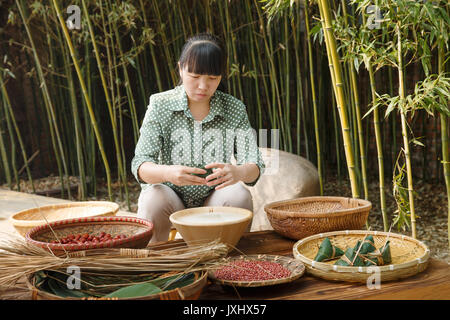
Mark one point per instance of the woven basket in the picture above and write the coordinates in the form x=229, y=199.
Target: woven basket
x=26, y=220
x=296, y=267
x=189, y=292
x=302, y=217
x=138, y=232
x=409, y=256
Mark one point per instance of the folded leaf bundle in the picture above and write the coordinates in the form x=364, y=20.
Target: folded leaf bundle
x=380, y=256
x=350, y=259
x=327, y=251
x=364, y=248
x=368, y=245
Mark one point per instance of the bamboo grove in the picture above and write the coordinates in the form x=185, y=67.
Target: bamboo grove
x=349, y=84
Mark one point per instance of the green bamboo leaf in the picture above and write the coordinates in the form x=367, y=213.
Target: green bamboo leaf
x=175, y=281
x=417, y=142
x=61, y=289
x=134, y=291
x=131, y=61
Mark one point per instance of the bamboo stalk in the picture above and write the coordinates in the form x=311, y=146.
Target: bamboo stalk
x=253, y=43
x=86, y=97
x=326, y=20
x=127, y=82
x=90, y=145
x=121, y=169
x=378, y=140
x=208, y=15
x=152, y=51
x=287, y=84
x=3, y=154
x=58, y=95
x=360, y=133
x=54, y=131
x=405, y=132
x=276, y=95
x=272, y=118
x=299, y=87
x=444, y=138
x=337, y=139
x=73, y=102
x=313, y=98
x=11, y=143
x=168, y=55
x=3, y=151
x=8, y=109
x=77, y=125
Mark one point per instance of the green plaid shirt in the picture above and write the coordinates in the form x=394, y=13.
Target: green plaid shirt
x=170, y=135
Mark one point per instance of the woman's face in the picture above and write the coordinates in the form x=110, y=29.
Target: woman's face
x=199, y=87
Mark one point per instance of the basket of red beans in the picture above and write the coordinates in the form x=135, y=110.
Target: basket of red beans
x=92, y=233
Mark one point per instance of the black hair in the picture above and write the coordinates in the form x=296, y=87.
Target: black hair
x=204, y=54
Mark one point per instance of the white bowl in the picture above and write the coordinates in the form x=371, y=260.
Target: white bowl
x=227, y=224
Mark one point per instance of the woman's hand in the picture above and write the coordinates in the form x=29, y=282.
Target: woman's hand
x=224, y=173
x=183, y=175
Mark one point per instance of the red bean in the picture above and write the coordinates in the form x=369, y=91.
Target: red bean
x=252, y=270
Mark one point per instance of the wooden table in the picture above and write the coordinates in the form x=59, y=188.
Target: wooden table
x=431, y=284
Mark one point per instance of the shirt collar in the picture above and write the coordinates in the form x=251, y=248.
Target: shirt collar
x=216, y=108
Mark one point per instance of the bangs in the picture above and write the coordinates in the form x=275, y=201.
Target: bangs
x=204, y=58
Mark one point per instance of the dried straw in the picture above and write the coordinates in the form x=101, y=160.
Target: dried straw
x=19, y=259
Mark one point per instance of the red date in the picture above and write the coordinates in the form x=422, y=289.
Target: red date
x=86, y=238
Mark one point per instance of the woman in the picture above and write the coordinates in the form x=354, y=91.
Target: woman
x=191, y=128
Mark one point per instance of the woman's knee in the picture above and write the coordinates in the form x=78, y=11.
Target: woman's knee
x=238, y=196
x=154, y=202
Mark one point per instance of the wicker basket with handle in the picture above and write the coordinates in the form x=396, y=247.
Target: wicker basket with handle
x=303, y=217
x=409, y=256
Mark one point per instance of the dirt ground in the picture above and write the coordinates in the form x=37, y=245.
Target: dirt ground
x=430, y=203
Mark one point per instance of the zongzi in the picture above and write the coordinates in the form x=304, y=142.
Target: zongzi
x=327, y=251
x=350, y=259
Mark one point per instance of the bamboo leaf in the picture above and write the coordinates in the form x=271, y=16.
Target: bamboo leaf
x=131, y=61
x=61, y=289
x=134, y=291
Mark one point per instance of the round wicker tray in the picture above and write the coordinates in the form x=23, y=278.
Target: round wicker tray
x=303, y=217
x=409, y=256
x=296, y=267
x=138, y=232
x=189, y=292
x=25, y=220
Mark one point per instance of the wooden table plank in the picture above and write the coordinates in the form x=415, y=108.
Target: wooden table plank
x=433, y=283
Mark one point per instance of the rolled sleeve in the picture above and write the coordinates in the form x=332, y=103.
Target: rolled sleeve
x=150, y=141
x=246, y=148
